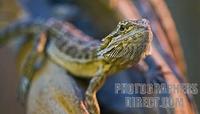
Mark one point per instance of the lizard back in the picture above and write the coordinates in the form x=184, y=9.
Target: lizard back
x=74, y=51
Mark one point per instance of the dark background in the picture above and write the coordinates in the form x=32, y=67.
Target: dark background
x=186, y=14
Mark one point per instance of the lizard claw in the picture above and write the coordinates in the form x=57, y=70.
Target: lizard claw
x=23, y=88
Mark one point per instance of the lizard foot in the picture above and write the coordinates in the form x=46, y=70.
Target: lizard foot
x=92, y=103
x=23, y=88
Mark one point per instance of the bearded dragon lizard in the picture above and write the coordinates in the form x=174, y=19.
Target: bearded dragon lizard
x=121, y=49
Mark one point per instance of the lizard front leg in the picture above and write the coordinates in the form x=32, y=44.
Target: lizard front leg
x=90, y=96
x=32, y=63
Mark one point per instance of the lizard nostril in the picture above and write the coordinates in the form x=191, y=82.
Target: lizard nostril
x=144, y=23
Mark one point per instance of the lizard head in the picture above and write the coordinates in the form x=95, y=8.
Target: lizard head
x=129, y=42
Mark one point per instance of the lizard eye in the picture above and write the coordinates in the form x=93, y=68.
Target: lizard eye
x=122, y=28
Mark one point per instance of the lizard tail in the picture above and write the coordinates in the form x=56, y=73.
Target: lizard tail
x=19, y=29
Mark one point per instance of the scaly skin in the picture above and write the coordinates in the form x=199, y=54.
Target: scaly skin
x=122, y=48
